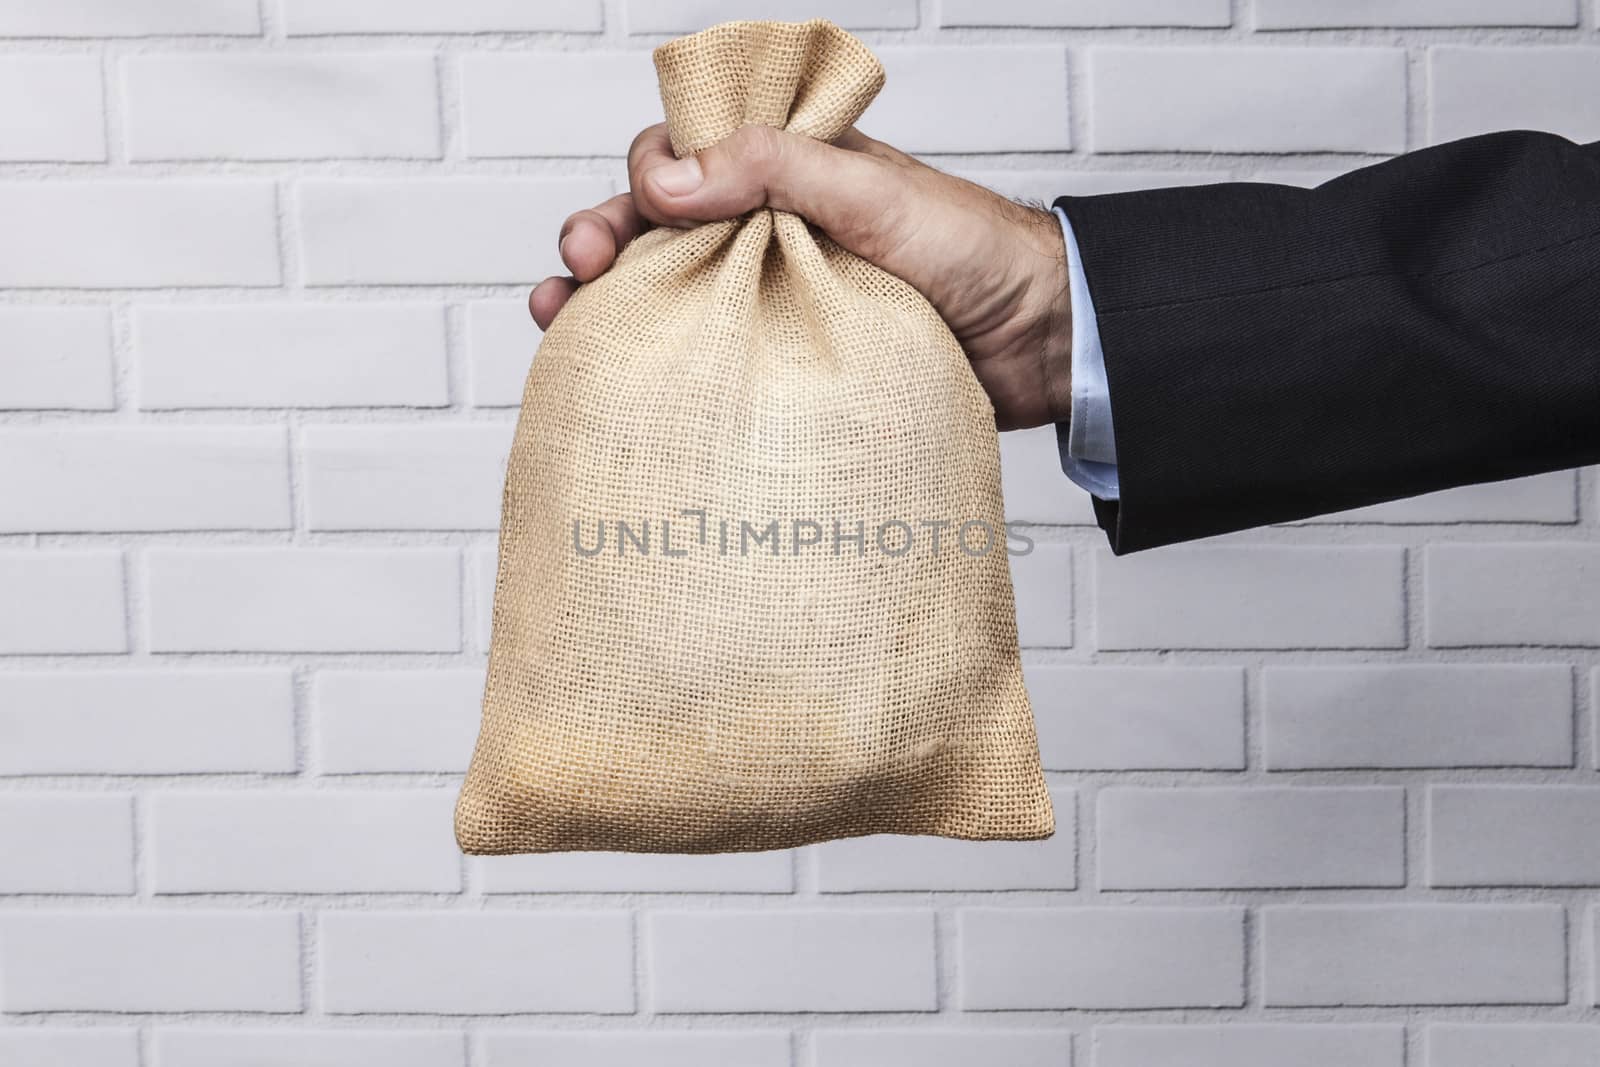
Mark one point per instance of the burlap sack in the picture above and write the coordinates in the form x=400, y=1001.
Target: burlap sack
x=708, y=681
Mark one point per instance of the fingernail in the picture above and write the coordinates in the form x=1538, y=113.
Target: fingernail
x=680, y=178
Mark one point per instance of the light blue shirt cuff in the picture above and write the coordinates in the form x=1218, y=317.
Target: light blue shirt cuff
x=1088, y=447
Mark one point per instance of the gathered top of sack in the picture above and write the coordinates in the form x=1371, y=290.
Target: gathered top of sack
x=810, y=78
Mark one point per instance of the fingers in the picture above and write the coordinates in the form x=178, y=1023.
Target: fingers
x=853, y=188
x=591, y=239
x=851, y=194
x=650, y=152
x=549, y=297
x=590, y=242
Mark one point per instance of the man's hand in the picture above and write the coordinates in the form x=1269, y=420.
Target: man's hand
x=994, y=270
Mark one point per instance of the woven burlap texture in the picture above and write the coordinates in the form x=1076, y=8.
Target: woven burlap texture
x=745, y=372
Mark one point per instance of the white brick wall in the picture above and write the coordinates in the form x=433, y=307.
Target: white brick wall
x=1441, y=953
x=281, y=106
x=1328, y=794
x=50, y=108
x=879, y=960
x=357, y=841
x=1101, y=957
x=137, y=232
x=461, y=963
x=304, y=355
x=1250, y=1045
x=124, y=959
x=56, y=357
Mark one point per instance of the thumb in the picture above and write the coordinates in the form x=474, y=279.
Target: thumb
x=850, y=194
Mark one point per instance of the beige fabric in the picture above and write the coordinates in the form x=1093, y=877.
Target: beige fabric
x=754, y=371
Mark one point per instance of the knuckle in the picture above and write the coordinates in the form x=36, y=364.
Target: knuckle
x=643, y=140
x=755, y=147
x=567, y=225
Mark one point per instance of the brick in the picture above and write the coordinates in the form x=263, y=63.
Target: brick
x=1251, y=837
x=1101, y=957
x=635, y=872
x=1138, y=718
x=417, y=231
x=405, y=477
x=131, y=233
x=1543, y=498
x=281, y=106
x=57, y=478
x=941, y=1048
x=326, y=841
x=146, y=722
x=1497, y=1045
x=1034, y=488
x=1414, y=954
x=1592, y=936
x=621, y=98
x=168, y=961
x=1312, y=15
x=1088, y=14
x=589, y=1048
x=1042, y=584
x=501, y=341
x=687, y=16
x=465, y=963
x=1533, y=835
x=964, y=99
x=1532, y=594
x=50, y=108
x=790, y=961
x=304, y=600
x=1257, y=596
x=129, y=18
x=63, y=1046
x=1250, y=1045
x=1248, y=99
x=1411, y=715
x=312, y=17
x=234, y=1047
x=68, y=842
x=366, y=721
x=56, y=357
x=61, y=602
x=483, y=564
x=1480, y=90
x=908, y=862
x=291, y=355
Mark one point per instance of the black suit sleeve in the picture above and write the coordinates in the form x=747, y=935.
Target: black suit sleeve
x=1274, y=353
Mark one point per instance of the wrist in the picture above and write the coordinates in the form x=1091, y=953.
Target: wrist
x=1052, y=312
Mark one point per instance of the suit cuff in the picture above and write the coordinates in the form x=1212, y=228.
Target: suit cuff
x=1087, y=445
